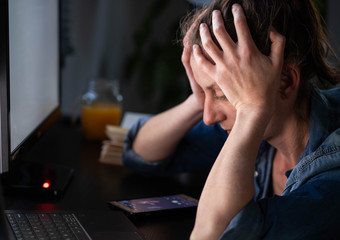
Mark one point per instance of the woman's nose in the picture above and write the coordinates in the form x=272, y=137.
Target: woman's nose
x=210, y=113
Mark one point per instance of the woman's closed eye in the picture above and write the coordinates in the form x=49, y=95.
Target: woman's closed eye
x=219, y=95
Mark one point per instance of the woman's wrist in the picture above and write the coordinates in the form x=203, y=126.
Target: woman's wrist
x=251, y=123
x=261, y=113
x=193, y=105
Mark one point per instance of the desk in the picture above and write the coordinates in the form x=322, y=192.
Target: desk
x=94, y=183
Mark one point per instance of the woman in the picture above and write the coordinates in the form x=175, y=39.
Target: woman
x=277, y=170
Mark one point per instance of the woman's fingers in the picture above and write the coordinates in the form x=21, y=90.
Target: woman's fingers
x=221, y=34
x=187, y=50
x=229, y=48
x=227, y=44
x=202, y=61
x=186, y=62
x=277, y=47
x=208, y=44
x=197, y=91
x=242, y=30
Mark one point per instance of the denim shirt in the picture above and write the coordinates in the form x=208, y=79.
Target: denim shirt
x=309, y=206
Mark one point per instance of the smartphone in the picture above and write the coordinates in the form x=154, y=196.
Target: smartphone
x=152, y=205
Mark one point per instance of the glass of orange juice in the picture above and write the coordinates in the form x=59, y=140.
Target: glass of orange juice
x=101, y=106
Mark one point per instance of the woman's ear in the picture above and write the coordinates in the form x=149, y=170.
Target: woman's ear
x=290, y=80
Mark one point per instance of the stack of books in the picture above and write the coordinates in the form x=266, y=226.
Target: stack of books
x=112, y=149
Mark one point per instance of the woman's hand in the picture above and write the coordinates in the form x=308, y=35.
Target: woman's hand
x=187, y=51
x=198, y=93
x=249, y=79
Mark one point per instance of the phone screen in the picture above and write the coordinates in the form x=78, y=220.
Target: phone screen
x=156, y=203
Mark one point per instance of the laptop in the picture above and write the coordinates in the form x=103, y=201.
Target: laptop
x=96, y=225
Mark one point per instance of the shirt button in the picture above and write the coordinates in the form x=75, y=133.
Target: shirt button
x=256, y=173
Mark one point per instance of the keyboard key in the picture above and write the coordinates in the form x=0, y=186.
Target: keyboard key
x=46, y=226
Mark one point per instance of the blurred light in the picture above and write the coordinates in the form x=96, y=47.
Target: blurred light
x=46, y=184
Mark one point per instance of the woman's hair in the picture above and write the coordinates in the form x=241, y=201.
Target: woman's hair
x=297, y=20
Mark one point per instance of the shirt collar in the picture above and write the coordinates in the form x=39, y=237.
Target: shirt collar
x=323, y=119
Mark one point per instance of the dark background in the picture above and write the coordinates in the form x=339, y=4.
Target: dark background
x=135, y=42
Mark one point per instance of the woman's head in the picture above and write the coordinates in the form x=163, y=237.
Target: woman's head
x=306, y=46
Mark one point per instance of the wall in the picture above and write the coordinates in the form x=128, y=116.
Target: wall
x=102, y=36
x=333, y=24
x=101, y=33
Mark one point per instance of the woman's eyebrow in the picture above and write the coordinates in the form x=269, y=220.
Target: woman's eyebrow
x=212, y=87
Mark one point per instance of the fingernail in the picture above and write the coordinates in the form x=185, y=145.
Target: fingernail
x=235, y=9
x=217, y=19
x=215, y=13
x=202, y=26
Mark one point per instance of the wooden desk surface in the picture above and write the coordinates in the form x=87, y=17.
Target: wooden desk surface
x=94, y=184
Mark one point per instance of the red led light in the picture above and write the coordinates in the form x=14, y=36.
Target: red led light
x=46, y=184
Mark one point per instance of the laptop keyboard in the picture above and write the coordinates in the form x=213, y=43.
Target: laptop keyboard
x=43, y=226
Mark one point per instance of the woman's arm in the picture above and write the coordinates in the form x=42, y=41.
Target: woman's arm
x=250, y=81
x=230, y=184
x=160, y=135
